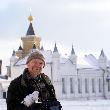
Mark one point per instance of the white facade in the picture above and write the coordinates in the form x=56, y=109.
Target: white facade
x=71, y=80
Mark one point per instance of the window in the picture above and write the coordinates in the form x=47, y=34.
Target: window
x=63, y=86
x=79, y=86
x=71, y=86
x=4, y=95
x=86, y=86
x=100, y=89
x=93, y=86
x=109, y=85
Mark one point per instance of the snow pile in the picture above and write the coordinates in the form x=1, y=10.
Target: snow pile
x=76, y=105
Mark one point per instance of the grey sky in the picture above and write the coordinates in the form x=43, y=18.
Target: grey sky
x=83, y=23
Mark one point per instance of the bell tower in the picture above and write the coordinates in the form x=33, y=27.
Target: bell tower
x=30, y=39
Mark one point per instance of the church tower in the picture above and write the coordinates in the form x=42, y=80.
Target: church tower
x=102, y=60
x=73, y=57
x=55, y=63
x=29, y=40
x=56, y=72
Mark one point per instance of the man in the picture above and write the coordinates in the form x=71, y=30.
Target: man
x=33, y=89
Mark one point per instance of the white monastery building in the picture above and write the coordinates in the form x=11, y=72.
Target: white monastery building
x=72, y=80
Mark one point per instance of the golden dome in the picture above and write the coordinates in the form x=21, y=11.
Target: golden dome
x=30, y=18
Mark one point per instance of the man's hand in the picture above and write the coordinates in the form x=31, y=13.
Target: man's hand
x=30, y=99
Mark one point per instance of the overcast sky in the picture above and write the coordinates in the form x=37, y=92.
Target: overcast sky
x=83, y=23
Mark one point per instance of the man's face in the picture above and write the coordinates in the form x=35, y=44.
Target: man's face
x=35, y=67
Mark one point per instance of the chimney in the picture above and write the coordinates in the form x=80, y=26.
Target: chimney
x=0, y=67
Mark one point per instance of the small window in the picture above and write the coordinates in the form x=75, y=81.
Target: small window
x=100, y=89
x=93, y=86
x=63, y=86
x=79, y=86
x=109, y=85
x=4, y=95
x=86, y=86
x=71, y=86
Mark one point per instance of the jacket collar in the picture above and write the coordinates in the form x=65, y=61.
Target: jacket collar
x=25, y=77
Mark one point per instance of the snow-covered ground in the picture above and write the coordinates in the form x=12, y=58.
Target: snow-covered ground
x=76, y=105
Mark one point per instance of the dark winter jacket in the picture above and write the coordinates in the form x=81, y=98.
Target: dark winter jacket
x=24, y=85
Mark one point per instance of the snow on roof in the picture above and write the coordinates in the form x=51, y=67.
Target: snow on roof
x=82, y=62
x=22, y=61
x=92, y=60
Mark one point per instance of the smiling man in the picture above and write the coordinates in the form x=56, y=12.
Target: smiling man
x=35, y=63
x=33, y=89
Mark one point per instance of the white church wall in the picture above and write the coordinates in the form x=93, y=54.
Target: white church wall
x=58, y=88
x=81, y=78
x=92, y=77
x=71, y=82
x=47, y=70
x=1, y=91
x=106, y=86
x=16, y=71
x=66, y=70
x=4, y=83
